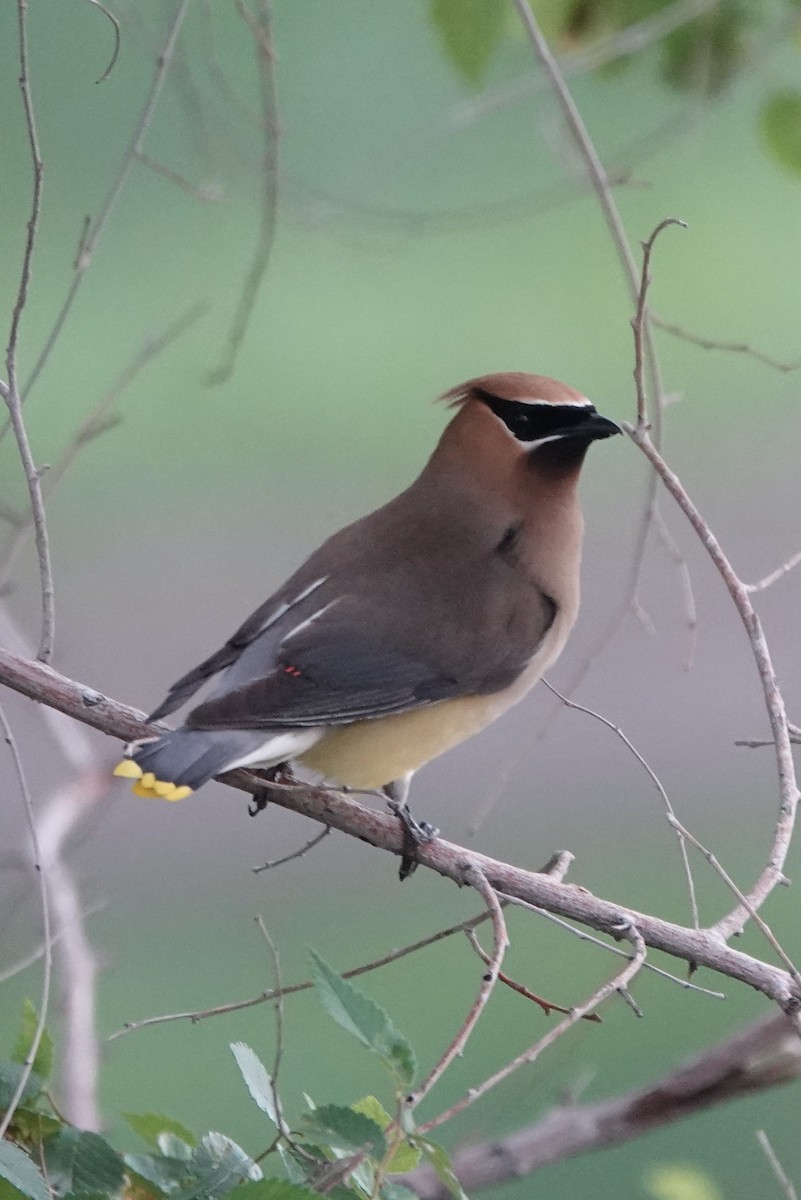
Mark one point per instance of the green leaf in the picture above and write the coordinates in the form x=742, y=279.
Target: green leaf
x=82, y=1163
x=469, y=31
x=780, y=126
x=10, y=1073
x=405, y=1157
x=150, y=1126
x=362, y=1017
x=21, y=1172
x=43, y=1059
x=441, y=1162
x=258, y=1082
x=218, y=1165
x=345, y=1131
x=164, y=1173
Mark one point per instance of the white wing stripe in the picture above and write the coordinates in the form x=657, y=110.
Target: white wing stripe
x=287, y=604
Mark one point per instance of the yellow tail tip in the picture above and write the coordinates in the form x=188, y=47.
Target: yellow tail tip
x=160, y=790
x=128, y=769
x=147, y=785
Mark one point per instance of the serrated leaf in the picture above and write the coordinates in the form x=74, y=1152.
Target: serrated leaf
x=362, y=1017
x=21, y=1172
x=295, y=1169
x=10, y=1073
x=275, y=1189
x=168, y=1175
x=405, y=1156
x=441, y=1162
x=82, y=1163
x=170, y=1145
x=150, y=1125
x=780, y=126
x=259, y=1082
x=218, y=1165
x=30, y=1125
x=43, y=1059
x=469, y=31
x=345, y=1131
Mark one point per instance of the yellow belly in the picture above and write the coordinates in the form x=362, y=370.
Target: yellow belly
x=368, y=754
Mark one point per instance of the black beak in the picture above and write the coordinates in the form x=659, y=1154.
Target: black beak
x=591, y=428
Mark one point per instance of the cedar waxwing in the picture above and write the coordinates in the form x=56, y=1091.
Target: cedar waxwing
x=413, y=628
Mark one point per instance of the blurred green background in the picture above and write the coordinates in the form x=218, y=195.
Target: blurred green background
x=425, y=234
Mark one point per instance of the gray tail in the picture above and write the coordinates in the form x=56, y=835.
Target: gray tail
x=191, y=757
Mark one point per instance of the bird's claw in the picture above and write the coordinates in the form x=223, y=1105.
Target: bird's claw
x=415, y=833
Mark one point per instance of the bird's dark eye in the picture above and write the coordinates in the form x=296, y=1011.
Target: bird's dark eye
x=529, y=421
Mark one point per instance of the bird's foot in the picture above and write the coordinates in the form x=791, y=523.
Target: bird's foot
x=259, y=798
x=415, y=833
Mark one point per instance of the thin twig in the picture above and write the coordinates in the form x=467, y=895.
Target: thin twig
x=763, y=1056
x=97, y=228
x=583, y=936
x=723, y=874
x=782, y=1178
x=100, y=420
x=691, y=614
x=474, y=877
x=10, y=390
x=261, y=26
x=47, y=970
x=283, y=1129
x=657, y=784
x=547, y=1006
x=626, y=929
x=290, y=989
x=304, y=849
x=728, y=347
x=773, y=873
x=115, y=53
x=640, y=319
x=774, y=576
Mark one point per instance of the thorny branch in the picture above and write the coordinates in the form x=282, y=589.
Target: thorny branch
x=702, y=947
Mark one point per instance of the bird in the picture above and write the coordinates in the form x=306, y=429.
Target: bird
x=411, y=629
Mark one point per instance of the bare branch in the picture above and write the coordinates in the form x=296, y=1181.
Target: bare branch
x=98, y=225
x=474, y=876
x=290, y=989
x=774, y=576
x=728, y=347
x=39, y=868
x=547, y=1006
x=262, y=30
x=762, y=1056
x=115, y=23
x=773, y=872
x=10, y=391
x=657, y=784
x=99, y=420
x=304, y=849
x=782, y=1178
x=380, y=829
x=640, y=318
x=625, y=928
